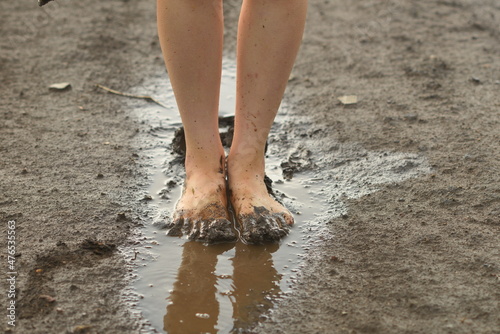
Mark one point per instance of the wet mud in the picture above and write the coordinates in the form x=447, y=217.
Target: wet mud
x=194, y=302
x=258, y=227
x=395, y=197
x=226, y=287
x=262, y=226
x=230, y=287
x=208, y=225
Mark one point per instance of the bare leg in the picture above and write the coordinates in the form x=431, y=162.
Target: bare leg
x=269, y=36
x=191, y=33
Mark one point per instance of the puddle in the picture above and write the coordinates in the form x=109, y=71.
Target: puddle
x=186, y=287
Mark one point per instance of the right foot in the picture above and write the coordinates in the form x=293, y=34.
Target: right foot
x=201, y=212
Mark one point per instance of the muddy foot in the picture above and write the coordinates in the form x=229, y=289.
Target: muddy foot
x=200, y=227
x=260, y=217
x=201, y=214
x=263, y=226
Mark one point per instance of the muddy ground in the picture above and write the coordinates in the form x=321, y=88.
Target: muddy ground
x=420, y=256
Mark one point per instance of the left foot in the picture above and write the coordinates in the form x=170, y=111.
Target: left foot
x=260, y=217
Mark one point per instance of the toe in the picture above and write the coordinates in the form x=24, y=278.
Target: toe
x=263, y=229
x=283, y=226
x=249, y=231
x=192, y=228
x=221, y=230
x=257, y=230
x=216, y=231
x=279, y=220
x=288, y=218
x=274, y=232
x=174, y=227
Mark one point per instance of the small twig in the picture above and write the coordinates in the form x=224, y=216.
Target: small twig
x=144, y=97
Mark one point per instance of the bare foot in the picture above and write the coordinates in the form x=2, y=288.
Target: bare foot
x=201, y=212
x=260, y=217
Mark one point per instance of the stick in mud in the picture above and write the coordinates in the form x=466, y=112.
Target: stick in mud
x=144, y=97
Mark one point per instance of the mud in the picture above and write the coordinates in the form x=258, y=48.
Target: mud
x=225, y=313
x=208, y=225
x=195, y=308
x=407, y=239
x=303, y=194
x=262, y=226
x=226, y=125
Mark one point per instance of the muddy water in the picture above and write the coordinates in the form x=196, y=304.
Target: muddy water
x=187, y=287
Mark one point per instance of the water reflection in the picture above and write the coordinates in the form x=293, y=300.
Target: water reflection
x=198, y=294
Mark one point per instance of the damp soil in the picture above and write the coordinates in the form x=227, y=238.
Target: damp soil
x=407, y=239
x=301, y=186
x=222, y=288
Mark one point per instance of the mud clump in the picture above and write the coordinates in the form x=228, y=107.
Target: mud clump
x=269, y=185
x=299, y=160
x=98, y=247
x=209, y=225
x=262, y=226
x=179, y=142
x=207, y=231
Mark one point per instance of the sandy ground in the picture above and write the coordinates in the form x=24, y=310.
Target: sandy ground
x=420, y=256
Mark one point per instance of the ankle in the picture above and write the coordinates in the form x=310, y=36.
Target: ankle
x=205, y=164
x=245, y=165
x=246, y=174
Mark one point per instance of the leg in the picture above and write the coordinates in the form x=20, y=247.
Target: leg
x=255, y=282
x=191, y=33
x=269, y=36
x=195, y=291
